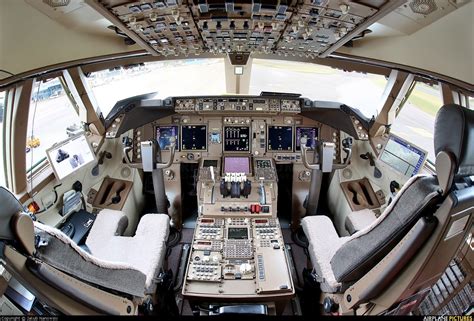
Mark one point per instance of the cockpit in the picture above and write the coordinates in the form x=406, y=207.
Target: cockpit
x=239, y=163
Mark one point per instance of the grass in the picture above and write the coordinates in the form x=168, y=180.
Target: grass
x=295, y=66
x=422, y=97
x=426, y=101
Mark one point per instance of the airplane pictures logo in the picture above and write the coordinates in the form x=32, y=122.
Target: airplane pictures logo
x=448, y=318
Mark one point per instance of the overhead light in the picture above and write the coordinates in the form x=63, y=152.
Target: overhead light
x=424, y=7
x=57, y=3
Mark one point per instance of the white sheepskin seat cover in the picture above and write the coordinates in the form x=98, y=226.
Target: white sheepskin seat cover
x=359, y=220
x=323, y=243
x=144, y=251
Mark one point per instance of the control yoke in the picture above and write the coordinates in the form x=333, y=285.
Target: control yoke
x=304, y=158
x=149, y=156
x=325, y=155
x=172, y=151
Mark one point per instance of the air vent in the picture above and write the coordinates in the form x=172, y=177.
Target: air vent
x=57, y=3
x=424, y=7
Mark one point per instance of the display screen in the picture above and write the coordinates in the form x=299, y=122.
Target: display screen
x=209, y=163
x=237, y=139
x=163, y=135
x=402, y=156
x=193, y=137
x=237, y=165
x=311, y=133
x=237, y=233
x=70, y=155
x=280, y=138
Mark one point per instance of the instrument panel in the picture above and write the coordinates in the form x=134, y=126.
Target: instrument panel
x=199, y=136
x=262, y=126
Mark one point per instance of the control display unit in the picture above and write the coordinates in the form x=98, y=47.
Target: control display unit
x=164, y=134
x=311, y=133
x=403, y=156
x=234, y=164
x=236, y=139
x=70, y=155
x=237, y=233
x=193, y=137
x=280, y=138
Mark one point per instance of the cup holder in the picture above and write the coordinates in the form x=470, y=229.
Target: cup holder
x=112, y=193
x=360, y=194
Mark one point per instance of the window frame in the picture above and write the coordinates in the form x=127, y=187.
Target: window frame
x=38, y=172
x=3, y=149
x=429, y=164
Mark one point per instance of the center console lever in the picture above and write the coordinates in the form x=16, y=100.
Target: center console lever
x=247, y=189
x=235, y=190
x=263, y=199
x=223, y=188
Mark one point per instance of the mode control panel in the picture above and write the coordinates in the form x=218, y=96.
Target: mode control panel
x=265, y=105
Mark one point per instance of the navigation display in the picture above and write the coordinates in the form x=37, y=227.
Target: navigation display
x=236, y=165
x=237, y=139
x=163, y=135
x=193, y=137
x=402, y=156
x=237, y=233
x=280, y=138
x=311, y=133
x=70, y=155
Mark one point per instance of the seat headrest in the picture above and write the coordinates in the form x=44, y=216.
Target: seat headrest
x=454, y=133
x=9, y=206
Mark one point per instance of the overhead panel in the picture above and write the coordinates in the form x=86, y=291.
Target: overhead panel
x=287, y=27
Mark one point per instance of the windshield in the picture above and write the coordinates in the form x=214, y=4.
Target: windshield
x=317, y=82
x=189, y=77
x=195, y=77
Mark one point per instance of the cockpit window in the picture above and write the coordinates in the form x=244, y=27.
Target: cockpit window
x=2, y=145
x=51, y=119
x=167, y=78
x=415, y=121
x=317, y=82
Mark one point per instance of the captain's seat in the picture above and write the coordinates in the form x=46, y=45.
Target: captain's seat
x=339, y=262
x=116, y=268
